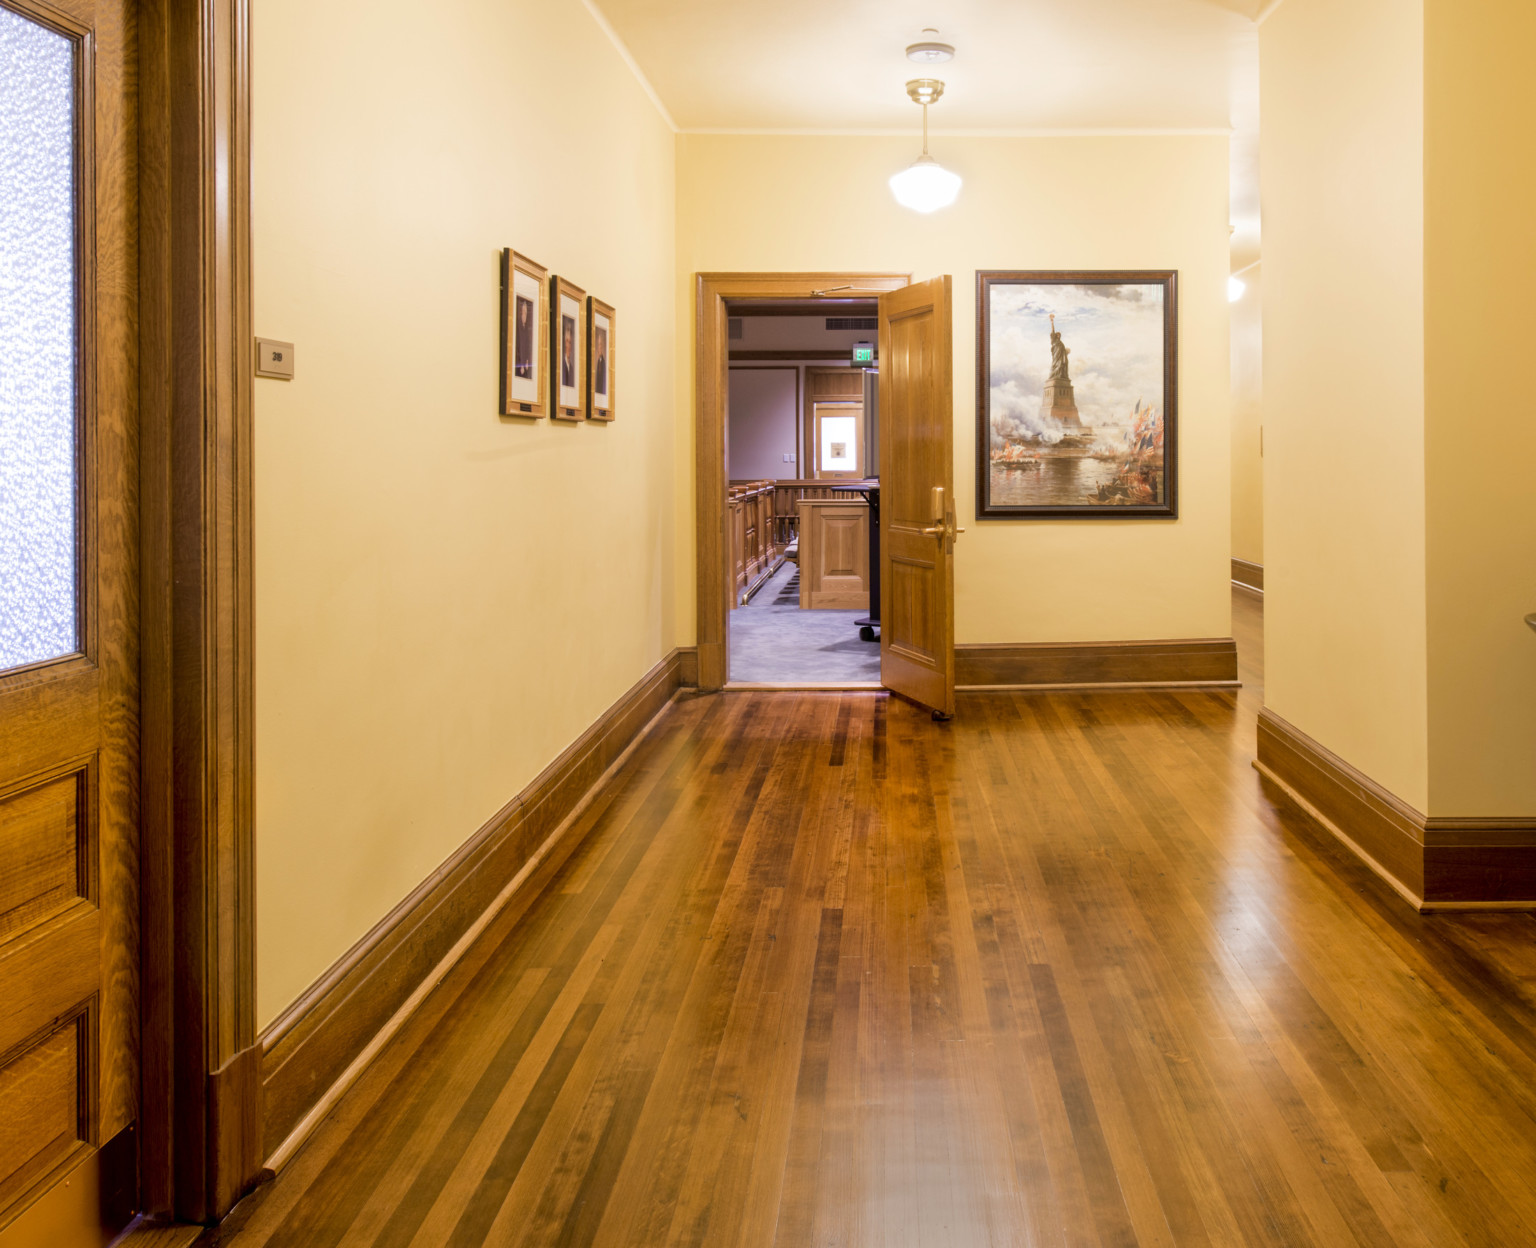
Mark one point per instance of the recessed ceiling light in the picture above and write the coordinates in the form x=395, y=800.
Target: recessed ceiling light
x=929, y=50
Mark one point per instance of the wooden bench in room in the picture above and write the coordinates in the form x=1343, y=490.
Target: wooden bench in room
x=756, y=551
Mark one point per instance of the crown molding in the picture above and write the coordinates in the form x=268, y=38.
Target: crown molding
x=1066, y=132
x=628, y=58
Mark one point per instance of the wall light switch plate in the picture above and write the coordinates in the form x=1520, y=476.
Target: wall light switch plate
x=274, y=359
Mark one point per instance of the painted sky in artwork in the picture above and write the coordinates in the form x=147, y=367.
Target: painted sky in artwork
x=1116, y=337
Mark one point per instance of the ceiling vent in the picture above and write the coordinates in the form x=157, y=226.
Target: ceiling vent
x=733, y=327
x=853, y=322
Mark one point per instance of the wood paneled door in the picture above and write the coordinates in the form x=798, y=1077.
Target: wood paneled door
x=917, y=505
x=834, y=424
x=69, y=540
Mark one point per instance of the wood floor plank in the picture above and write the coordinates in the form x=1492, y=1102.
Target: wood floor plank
x=1063, y=972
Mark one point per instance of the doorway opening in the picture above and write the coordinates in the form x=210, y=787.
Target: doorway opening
x=802, y=439
x=720, y=299
x=911, y=438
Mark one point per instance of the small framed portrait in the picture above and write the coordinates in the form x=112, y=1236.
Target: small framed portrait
x=1077, y=394
x=600, y=385
x=524, y=335
x=567, y=350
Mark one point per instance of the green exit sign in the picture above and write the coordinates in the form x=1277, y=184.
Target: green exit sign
x=863, y=353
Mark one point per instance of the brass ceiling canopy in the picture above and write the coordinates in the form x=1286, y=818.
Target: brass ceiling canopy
x=924, y=90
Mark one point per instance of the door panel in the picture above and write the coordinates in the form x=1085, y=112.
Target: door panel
x=833, y=392
x=41, y=1087
x=69, y=758
x=45, y=851
x=917, y=511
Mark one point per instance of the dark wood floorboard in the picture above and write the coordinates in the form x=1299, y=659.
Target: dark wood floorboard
x=1062, y=972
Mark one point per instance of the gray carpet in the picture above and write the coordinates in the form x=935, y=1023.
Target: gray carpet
x=773, y=641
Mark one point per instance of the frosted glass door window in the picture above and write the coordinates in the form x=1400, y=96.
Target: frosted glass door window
x=39, y=609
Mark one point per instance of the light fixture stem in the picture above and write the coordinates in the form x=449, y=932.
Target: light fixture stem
x=925, y=127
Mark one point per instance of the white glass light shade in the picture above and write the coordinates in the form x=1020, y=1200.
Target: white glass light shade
x=925, y=185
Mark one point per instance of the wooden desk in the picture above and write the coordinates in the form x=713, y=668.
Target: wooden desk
x=834, y=554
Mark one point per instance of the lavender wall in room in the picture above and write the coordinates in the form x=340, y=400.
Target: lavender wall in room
x=762, y=423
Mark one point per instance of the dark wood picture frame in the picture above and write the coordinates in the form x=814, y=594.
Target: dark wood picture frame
x=601, y=334
x=524, y=344
x=1120, y=501
x=567, y=303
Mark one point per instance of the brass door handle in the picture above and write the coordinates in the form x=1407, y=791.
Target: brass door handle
x=944, y=518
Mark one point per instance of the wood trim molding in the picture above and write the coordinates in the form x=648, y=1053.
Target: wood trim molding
x=818, y=354
x=197, y=960
x=1202, y=663
x=688, y=667
x=711, y=362
x=1248, y=575
x=1433, y=863
x=830, y=306
x=319, y=1045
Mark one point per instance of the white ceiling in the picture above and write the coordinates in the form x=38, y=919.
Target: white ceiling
x=1021, y=65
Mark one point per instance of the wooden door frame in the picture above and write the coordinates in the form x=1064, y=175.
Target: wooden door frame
x=199, y=1097
x=711, y=380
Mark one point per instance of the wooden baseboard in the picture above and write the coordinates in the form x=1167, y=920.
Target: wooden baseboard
x=761, y=579
x=1204, y=663
x=234, y=1127
x=687, y=666
x=1249, y=575
x=320, y=1037
x=1435, y=864
x=803, y=686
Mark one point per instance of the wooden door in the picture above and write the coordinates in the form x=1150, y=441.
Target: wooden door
x=68, y=597
x=839, y=439
x=834, y=407
x=917, y=487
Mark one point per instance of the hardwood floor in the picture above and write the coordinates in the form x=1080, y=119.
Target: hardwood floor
x=1060, y=972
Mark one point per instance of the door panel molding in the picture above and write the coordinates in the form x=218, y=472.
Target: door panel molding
x=711, y=363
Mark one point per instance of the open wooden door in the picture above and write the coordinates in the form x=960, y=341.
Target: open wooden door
x=69, y=704
x=917, y=503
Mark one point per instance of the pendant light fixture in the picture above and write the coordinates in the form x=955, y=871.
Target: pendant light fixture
x=925, y=185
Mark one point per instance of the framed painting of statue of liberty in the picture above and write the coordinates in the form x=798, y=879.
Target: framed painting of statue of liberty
x=1077, y=394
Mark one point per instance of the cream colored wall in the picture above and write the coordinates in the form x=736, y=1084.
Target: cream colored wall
x=1480, y=324
x=1248, y=419
x=1344, y=515
x=786, y=203
x=445, y=600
